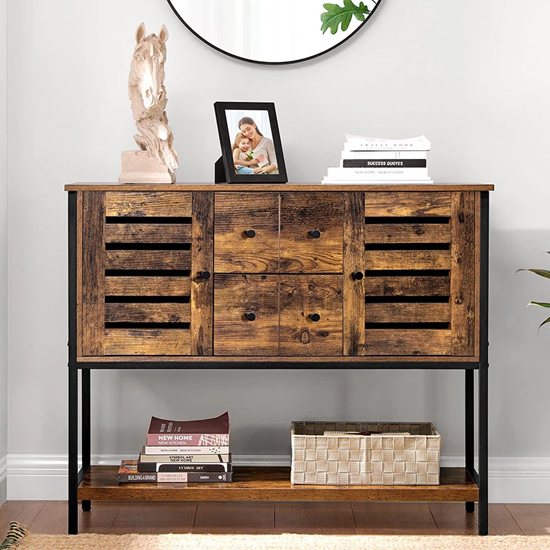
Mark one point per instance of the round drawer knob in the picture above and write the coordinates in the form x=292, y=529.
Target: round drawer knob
x=357, y=275
x=205, y=275
x=250, y=316
x=314, y=317
x=250, y=233
x=315, y=233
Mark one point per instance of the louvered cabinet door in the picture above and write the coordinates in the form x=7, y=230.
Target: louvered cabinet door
x=420, y=274
x=140, y=295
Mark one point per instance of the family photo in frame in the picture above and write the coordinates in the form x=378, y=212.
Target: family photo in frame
x=250, y=143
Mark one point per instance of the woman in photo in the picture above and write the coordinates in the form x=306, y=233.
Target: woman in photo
x=260, y=145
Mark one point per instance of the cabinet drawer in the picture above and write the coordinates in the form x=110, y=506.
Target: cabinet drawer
x=246, y=233
x=311, y=232
x=311, y=315
x=235, y=296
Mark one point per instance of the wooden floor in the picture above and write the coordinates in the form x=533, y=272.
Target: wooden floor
x=279, y=517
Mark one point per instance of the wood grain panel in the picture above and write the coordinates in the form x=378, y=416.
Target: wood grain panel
x=302, y=213
x=407, y=259
x=408, y=286
x=93, y=273
x=300, y=296
x=275, y=187
x=478, y=273
x=354, y=260
x=235, y=295
x=407, y=361
x=79, y=323
x=147, y=286
x=149, y=203
x=148, y=259
x=396, y=233
x=147, y=313
x=463, y=275
x=408, y=313
x=273, y=484
x=147, y=233
x=410, y=204
x=147, y=341
x=202, y=259
x=236, y=213
x=407, y=342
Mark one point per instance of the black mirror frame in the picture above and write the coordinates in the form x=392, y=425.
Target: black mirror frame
x=290, y=62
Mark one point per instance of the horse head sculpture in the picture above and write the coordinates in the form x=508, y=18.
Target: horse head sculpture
x=148, y=97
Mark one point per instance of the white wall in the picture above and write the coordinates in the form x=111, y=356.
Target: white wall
x=3, y=252
x=473, y=78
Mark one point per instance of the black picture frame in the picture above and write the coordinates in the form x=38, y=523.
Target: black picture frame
x=225, y=171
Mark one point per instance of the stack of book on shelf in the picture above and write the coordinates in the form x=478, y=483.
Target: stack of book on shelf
x=190, y=451
x=379, y=161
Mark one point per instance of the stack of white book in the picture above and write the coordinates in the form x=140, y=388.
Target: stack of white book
x=376, y=160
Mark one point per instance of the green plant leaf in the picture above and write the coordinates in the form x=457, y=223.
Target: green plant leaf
x=541, y=272
x=338, y=15
x=541, y=304
x=544, y=323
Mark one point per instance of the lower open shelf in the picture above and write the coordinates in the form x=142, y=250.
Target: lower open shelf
x=273, y=484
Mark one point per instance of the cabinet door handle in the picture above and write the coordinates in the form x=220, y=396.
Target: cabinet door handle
x=250, y=233
x=357, y=275
x=205, y=275
x=314, y=317
x=315, y=233
x=250, y=316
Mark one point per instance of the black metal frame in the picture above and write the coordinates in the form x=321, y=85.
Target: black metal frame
x=480, y=477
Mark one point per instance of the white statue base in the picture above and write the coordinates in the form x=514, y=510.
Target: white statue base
x=139, y=167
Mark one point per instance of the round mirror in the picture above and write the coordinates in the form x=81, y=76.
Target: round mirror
x=274, y=31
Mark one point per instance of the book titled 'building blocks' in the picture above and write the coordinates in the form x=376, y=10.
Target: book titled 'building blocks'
x=206, y=432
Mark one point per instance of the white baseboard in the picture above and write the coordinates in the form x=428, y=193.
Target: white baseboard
x=3, y=479
x=44, y=477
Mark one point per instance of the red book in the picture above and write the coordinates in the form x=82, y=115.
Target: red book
x=209, y=431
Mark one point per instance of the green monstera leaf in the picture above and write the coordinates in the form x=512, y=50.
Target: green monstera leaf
x=337, y=15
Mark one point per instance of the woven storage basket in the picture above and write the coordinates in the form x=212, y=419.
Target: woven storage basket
x=391, y=458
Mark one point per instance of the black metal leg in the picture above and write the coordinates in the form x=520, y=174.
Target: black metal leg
x=483, y=375
x=73, y=474
x=86, y=432
x=483, y=507
x=73, y=451
x=469, y=425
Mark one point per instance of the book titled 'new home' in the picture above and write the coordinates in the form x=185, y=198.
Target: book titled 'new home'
x=209, y=431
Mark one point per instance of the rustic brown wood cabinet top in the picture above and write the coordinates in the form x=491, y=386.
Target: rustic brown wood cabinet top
x=203, y=272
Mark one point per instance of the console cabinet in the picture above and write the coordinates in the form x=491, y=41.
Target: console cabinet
x=277, y=276
x=296, y=273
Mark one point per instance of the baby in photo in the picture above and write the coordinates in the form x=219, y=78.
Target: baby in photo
x=245, y=160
